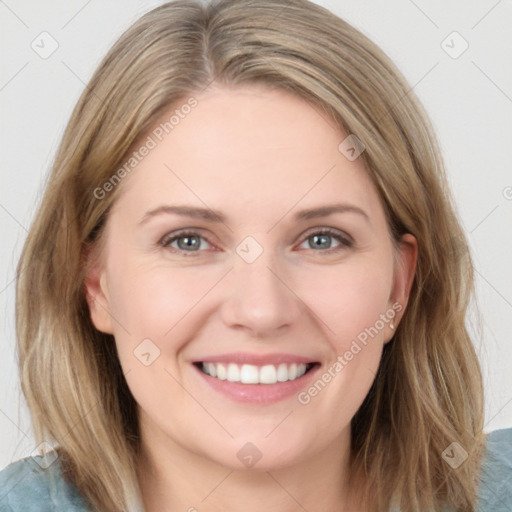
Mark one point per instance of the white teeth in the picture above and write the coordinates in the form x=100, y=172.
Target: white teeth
x=233, y=373
x=301, y=370
x=252, y=374
x=282, y=372
x=212, y=370
x=268, y=374
x=221, y=371
x=249, y=374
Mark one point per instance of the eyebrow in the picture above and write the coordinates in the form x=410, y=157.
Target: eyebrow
x=218, y=217
x=186, y=211
x=324, y=211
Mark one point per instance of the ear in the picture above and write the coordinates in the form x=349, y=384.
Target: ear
x=96, y=291
x=405, y=266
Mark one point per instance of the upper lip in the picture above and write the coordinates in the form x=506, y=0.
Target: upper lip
x=256, y=359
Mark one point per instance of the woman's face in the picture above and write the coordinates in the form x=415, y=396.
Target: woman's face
x=248, y=240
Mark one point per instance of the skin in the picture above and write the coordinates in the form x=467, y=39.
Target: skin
x=259, y=156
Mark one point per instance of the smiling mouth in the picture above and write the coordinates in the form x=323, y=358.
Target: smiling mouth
x=253, y=374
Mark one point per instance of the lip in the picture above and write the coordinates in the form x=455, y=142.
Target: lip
x=256, y=359
x=262, y=394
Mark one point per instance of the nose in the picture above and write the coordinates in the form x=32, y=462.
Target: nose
x=260, y=298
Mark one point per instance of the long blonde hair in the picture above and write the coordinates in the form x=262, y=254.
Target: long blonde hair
x=428, y=390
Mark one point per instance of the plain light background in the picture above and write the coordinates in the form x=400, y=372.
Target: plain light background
x=467, y=93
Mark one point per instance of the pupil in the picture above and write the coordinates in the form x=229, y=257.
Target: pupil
x=189, y=242
x=321, y=241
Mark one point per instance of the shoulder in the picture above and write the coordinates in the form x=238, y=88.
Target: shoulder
x=495, y=490
x=36, y=484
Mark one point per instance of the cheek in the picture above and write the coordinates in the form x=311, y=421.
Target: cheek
x=151, y=301
x=348, y=299
x=152, y=307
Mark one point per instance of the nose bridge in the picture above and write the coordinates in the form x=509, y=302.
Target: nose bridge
x=258, y=297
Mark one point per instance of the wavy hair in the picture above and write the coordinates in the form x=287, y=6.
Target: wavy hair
x=428, y=389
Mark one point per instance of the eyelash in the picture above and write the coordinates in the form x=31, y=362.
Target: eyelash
x=345, y=241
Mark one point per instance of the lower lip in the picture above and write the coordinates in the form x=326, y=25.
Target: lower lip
x=259, y=393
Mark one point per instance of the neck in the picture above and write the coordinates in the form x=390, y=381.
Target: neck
x=174, y=478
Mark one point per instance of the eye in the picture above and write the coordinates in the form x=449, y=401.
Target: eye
x=192, y=242
x=323, y=238
x=184, y=241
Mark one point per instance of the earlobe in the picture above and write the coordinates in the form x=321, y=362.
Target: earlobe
x=96, y=293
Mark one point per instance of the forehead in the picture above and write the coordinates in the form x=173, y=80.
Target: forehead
x=248, y=147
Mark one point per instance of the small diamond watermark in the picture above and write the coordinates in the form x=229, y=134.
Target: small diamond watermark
x=44, y=45
x=147, y=352
x=454, y=455
x=454, y=45
x=48, y=457
x=249, y=455
x=351, y=147
x=249, y=249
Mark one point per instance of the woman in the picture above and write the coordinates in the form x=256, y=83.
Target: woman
x=246, y=285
